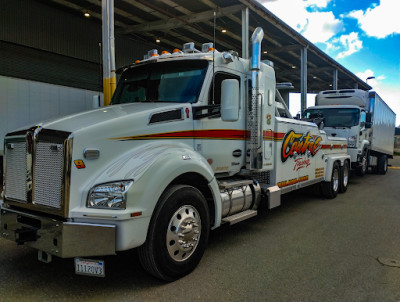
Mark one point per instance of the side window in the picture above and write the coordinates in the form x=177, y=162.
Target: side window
x=215, y=94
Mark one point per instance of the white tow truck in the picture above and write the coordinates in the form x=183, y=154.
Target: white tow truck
x=364, y=119
x=192, y=140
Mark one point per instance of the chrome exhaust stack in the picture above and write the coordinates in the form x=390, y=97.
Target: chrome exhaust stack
x=254, y=119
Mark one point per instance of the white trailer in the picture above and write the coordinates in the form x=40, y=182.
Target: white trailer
x=364, y=119
x=192, y=140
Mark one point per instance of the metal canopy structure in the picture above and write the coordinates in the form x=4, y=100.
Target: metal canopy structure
x=168, y=24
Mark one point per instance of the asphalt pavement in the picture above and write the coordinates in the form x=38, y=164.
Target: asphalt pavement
x=309, y=249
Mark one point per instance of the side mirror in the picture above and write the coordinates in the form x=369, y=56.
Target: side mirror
x=230, y=96
x=369, y=117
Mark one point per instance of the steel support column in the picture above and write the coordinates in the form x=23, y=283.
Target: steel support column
x=109, y=79
x=303, y=78
x=245, y=33
x=335, y=79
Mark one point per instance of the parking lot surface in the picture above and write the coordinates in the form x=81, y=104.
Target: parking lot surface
x=309, y=249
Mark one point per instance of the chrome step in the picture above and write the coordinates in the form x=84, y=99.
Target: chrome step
x=239, y=217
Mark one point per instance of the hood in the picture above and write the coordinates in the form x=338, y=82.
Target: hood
x=106, y=115
x=340, y=132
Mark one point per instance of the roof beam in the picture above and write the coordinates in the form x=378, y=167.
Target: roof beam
x=181, y=21
x=285, y=48
x=310, y=71
x=166, y=16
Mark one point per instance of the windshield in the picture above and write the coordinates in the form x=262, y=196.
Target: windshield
x=174, y=81
x=335, y=117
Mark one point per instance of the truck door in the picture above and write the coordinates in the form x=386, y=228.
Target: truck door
x=222, y=143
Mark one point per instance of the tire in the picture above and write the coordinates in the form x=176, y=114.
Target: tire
x=382, y=164
x=171, y=251
x=344, y=177
x=330, y=189
x=362, y=169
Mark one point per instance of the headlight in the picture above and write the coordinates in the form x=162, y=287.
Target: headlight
x=351, y=141
x=109, y=195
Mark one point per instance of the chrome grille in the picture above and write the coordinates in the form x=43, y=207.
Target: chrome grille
x=35, y=169
x=48, y=173
x=16, y=171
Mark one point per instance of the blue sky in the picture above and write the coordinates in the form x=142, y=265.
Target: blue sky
x=362, y=35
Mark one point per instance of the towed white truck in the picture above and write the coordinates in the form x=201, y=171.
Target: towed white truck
x=364, y=119
x=192, y=140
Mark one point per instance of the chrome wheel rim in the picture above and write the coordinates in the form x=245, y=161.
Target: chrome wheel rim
x=345, y=176
x=335, y=179
x=183, y=234
x=364, y=164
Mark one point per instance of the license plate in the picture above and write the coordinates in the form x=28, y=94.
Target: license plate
x=89, y=267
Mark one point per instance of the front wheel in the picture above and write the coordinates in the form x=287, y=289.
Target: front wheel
x=330, y=188
x=363, y=167
x=178, y=234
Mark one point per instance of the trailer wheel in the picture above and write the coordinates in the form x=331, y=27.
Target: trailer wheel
x=382, y=164
x=344, y=177
x=330, y=188
x=362, y=169
x=178, y=234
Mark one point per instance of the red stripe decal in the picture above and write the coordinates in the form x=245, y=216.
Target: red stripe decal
x=224, y=134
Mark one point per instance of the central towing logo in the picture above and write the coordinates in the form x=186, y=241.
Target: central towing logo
x=299, y=143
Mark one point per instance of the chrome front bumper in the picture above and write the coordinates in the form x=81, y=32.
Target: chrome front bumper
x=59, y=238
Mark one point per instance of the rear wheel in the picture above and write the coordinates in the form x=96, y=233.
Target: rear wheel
x=178, y=234
x=382, y=164
x=344, y=177
x=330, y=188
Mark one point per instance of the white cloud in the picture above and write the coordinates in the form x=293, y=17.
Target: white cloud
x=317, y=3
x=379, y=21
x=351, y=43
x=321, y=26
x=366, y=74
x=331, y=47
x=315, y=26
x=376, y=82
